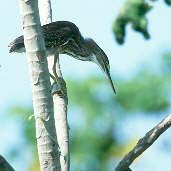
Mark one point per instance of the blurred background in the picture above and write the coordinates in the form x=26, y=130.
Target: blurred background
x=103, y=126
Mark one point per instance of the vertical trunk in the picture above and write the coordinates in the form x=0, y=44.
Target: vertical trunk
x=61, y=122
x=41, y=87
x=45, y=11
x=60, y=103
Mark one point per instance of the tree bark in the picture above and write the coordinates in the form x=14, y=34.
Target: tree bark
x=45, y=11
x=60, y=102
x=61, y=122
x=41, y=87
x=144, y=143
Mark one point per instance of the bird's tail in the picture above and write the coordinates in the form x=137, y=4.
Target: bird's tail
x=101, y=59
x=17, y=45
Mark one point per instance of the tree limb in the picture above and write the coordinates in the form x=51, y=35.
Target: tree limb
x=61, y=122
x=143, y=144
x=60, y=102
x=4, y=165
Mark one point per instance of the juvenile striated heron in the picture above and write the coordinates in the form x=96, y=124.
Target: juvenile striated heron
x=65, y=38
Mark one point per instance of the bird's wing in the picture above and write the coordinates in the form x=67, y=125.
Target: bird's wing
x=57, y=33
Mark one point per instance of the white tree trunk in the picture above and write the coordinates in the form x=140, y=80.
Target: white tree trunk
x=60, y=103
x=61, y=122
x=45, y=11
x=41, y=87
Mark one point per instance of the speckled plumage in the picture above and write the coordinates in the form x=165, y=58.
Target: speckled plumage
x=65, y=37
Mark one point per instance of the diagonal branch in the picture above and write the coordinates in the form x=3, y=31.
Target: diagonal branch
x=143, y=144
x=4, y=165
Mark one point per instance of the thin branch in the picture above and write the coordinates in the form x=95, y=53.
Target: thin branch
x=60, y=102
x=45, y=11
x=60, y=114
x=143, y=144
x=4, y=165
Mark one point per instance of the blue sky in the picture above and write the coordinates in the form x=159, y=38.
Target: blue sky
x=94, y=19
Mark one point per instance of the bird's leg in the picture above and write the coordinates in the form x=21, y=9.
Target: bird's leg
x=57, y=77
x=56, y=58
x=53, y=78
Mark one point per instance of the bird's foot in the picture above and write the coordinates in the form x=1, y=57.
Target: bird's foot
x=59, y=87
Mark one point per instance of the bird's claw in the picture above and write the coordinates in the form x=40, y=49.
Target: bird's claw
x=59, y=87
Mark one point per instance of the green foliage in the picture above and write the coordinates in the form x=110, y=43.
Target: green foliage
x=166, y=63
x=24, y=113
x=145, y=92
x=168, y=2
x=94, y=138
x=133, y=12
x=85, y=94
x=94, y=142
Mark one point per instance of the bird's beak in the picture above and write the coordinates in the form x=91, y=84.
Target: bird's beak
x=110, y=80
x=101, y=59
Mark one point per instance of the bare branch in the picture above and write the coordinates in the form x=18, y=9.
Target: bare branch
x=45, y=11
x=143, y=144
x=4, y=165
x=60, y=114
x=60, y=102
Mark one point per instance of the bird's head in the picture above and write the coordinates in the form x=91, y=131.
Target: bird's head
x=100, y=58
